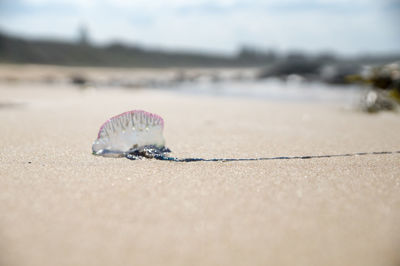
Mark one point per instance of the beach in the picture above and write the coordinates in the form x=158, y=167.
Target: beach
x=61, y=205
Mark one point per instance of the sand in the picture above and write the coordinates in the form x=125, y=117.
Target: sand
x=60, y=205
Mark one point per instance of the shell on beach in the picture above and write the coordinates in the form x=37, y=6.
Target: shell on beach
x=127, y=131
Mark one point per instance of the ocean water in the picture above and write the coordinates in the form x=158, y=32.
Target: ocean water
x=274, y=90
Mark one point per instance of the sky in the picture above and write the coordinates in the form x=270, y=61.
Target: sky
x=217, y=26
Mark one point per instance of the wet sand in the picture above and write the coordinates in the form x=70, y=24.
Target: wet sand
x=60, y=205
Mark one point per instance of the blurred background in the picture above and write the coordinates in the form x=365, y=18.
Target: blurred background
x=276, y=49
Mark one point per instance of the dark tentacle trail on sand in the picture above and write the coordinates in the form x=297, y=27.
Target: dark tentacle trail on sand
x=162, y=154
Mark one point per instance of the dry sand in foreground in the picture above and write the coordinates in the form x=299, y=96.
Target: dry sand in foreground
x=60, y=205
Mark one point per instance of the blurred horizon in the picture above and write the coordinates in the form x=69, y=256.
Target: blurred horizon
x=221, y=27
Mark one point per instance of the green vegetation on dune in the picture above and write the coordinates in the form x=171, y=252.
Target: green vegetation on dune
x=15, y=50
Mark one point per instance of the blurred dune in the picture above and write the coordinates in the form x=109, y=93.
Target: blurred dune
x=19, y=50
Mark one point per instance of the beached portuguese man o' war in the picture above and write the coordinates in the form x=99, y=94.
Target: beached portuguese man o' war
x=132, y=134
x=138, y=134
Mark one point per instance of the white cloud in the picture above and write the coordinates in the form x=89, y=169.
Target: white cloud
x=84, y=3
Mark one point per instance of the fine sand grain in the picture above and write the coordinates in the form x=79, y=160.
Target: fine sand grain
x=60, y=205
